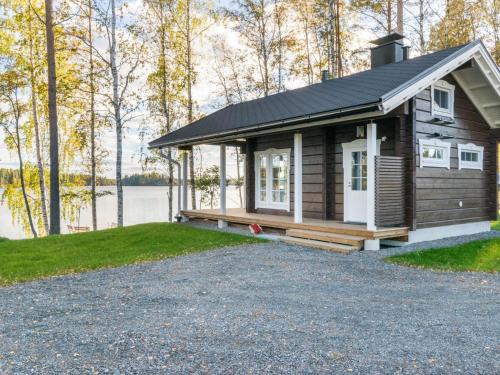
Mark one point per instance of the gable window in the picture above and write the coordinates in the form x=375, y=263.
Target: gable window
x=272, y=171
x=434, y=153
x=442, y=96
x=470, y=156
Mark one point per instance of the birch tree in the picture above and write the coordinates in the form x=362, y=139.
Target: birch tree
x=255, y=20
x=11, y=84
x=55, y=214
x=33, y=56
x=167, y=98
x=125, y=53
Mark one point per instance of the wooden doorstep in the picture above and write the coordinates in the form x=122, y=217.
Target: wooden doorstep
x=335, y=238
x=333, y=247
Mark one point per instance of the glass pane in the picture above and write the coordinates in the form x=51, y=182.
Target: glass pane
x=356, y=183
x=364, y=183
x=355, y=158
x=363, y=158
x=441, y=98
x=437, y=95
x=276, y=196
x=433, y=153
x=263, y=178
x=279, y=165
x=474, y=157
x=356, y=170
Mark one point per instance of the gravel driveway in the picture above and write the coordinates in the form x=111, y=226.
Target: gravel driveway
x=269, y=308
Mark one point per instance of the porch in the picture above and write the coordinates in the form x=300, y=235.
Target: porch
x=326, y=234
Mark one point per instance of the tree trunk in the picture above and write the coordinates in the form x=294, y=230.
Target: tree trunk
x=21, y=168
x=308, y=52
x=36, y=126
x=278, y=16
x=421, y=31
x=93, y=176
x=165, y=108
x=331, y=37
x=190, y=98
x=339, y=40
x=55, y=215
x=118, y=119
x=389, y=16
x=400, y=17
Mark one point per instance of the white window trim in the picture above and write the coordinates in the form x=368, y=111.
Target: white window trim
x=450, y=89
x=268, y=203
x=462, y=164
x=428, y=162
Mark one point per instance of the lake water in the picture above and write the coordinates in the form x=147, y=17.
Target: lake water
x=142, y=204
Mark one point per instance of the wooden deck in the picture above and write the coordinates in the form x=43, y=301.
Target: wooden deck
x=239, y=216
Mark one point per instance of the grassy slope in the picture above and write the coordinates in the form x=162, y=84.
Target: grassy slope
x=481, y=256
x=24, y=260
x=495, y=225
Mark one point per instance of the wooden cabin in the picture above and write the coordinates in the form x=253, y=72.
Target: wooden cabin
x=405, y=151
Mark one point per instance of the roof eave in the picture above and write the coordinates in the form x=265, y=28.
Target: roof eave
x=429, y=76
x=371, y=110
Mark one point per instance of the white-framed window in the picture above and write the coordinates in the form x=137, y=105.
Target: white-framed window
x=470, y=156
x=442, y=99
x=272, y=182
x=434, y=153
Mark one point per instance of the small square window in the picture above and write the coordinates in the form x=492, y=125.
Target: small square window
x=442, y=99
x=434, y=153
x=470, y=156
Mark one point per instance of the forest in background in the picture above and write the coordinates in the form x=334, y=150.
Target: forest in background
x=9, y=176
x=139, y=67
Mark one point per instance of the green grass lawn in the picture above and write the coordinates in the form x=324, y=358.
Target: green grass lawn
x=495, y=225
x=23, y=260
x=483, y=256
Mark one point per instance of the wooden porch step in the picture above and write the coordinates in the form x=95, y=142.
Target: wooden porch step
x=333, y=247
x=338, y=238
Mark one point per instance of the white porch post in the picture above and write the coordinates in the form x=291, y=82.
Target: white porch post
x=297, y=177
x=185, y=181
x=222, y=197
x=371, y=152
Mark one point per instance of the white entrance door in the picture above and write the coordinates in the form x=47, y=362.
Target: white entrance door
x=355, y=181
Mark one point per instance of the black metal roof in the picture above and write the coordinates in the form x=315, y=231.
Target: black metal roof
x=360, y=90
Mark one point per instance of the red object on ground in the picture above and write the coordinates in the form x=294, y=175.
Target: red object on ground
x=255, y=228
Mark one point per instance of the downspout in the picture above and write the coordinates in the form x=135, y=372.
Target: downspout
x=178, y=165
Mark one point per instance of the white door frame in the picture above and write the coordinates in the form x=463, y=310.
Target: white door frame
x=347, y=148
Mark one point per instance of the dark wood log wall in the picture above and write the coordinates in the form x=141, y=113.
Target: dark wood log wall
x=323, y=173
x=347, y=133
x=390, y=191
x=439, y=191
x=314, y=185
